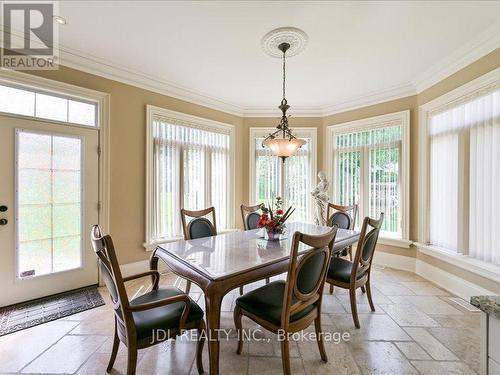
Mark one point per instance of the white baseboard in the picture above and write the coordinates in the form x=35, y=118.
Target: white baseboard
x=448, y=281
x=452, y=283
x=399, y=262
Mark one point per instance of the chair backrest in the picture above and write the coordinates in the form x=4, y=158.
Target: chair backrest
x=250, y=216
x=199, y=226
x=342, y=216
x=307, y=273
x=110, y=273
x=366, y=246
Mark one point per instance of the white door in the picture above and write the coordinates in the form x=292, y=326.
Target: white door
x=49, y=193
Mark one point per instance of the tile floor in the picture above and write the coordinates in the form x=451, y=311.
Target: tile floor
x=416, y=329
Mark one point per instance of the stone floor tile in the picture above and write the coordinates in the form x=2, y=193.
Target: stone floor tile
x=66, y=356
x=431, y=345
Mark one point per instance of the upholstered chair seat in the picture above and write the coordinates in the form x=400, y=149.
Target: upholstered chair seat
x=266, y=302
x=164, y=317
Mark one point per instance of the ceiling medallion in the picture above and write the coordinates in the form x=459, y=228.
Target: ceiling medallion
x=296, y=38
x=282, y=142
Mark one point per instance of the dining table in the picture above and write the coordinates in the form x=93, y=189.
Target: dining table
x=219, y=264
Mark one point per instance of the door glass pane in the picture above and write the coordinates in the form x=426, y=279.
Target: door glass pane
x=49, y=203
x=194, y=178
x=384, y=193
x=267, y=173
x=349, y=178
x=297, y=185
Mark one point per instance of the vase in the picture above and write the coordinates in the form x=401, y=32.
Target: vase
x=271, y=235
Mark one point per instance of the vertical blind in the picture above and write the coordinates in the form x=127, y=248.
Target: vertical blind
x=290, y=180
x=368, y=173
x=190, y=170
x=465, y=177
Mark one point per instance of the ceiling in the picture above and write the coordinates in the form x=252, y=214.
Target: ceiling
x=210, y=52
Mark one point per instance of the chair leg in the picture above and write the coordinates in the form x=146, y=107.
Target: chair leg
x=331, y=288
x=267, y=280
x=285, y=356
x=369, y=295
x=199, y=348
x=354, y=309
x=319, y=338
x=350, y=253
x=188, y=286
x=241, y=290
x=116, y=344
x=131, y=360
x=363, y=290
x=237, y=324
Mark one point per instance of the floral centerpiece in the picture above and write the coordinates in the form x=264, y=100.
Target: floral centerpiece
x=273, y=220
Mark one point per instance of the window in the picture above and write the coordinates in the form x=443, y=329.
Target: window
x=369, y=165
x=189, y=166
x=292, y=180
x=29, y=102
x=463, y=140
x=49, y=210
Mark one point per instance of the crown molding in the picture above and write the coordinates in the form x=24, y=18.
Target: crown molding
x=375, y=97
x=484, y=43
x=106, y=69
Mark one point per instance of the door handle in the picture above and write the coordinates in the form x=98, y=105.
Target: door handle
x=3, y=221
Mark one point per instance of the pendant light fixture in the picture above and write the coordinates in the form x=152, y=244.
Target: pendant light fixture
x=282, y=142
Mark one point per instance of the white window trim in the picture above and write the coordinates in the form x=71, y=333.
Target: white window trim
x=397, y=118
x=302, y=132
x=463, y=93
x=185, y=120
x=17, y=78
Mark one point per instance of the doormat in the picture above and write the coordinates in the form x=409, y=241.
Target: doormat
x=29, y=314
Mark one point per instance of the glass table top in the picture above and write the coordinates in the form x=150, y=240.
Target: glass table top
x=230, y=253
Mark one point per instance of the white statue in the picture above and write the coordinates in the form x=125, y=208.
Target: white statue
x=321, y=197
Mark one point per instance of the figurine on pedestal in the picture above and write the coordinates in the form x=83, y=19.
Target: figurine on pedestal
x=320, y=195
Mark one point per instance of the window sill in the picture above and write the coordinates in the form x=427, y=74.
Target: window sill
x=150, y=246
x=464, y=262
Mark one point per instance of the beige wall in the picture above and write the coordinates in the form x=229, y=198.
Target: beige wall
x=127, y=151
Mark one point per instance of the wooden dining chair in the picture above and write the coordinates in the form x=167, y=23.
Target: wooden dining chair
x=198, y=227
x=250, y=218
x=356, y=274
x=342, y=216
x=138, y=322
x=290, y=306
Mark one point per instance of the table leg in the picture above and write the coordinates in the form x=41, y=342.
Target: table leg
x=213, y=302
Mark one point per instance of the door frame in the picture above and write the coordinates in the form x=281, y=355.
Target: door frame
x=103, y=115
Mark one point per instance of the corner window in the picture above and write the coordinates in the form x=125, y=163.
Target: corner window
x=189, y=165
x=292, y=180
x=369, y=166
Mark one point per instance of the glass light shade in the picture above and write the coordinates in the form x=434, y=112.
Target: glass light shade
x=284, y=147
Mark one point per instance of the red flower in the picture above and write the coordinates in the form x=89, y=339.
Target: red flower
x=279, y=211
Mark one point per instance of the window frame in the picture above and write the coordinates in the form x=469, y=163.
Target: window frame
x=305, y=132
x=462, y=94
x=402, y=119
x=182, y=119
